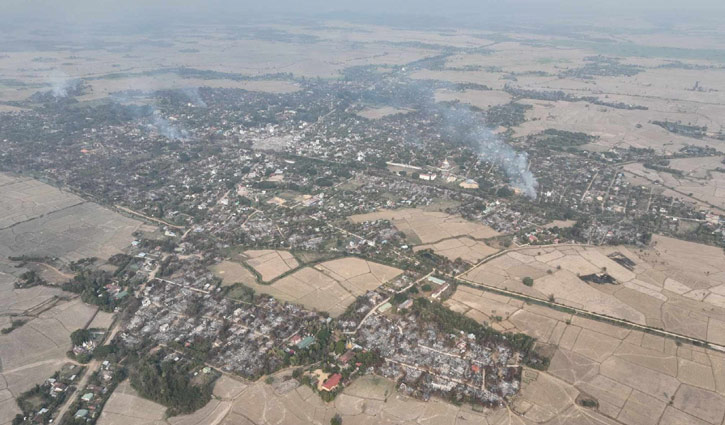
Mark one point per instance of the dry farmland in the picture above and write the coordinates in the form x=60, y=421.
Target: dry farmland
x=377, y=113
x=427, y=227
x=635, y=378
x=483, y=99
x=700, y=182
x=270, y=264
x=675, y=285
x=465, y=248
x=107, y=71
x=330, y=286
x=33, y=352
x=666, y=94
x=39, y=220
x=125, y=406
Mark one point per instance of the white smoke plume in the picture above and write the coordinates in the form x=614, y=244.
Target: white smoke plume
x=193, y=94
x=515, y=164
x=60, y=83
x=166, y=128
x=463, y=125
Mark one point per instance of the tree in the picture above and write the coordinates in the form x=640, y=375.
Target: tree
x=336, y=420
x=78, y=337
x=339, y=347
x=528, y=281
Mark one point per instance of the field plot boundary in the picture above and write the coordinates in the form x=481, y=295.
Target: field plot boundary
x=591, y=315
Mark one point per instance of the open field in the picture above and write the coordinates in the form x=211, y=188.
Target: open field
x=701, y=182
x=243, y=55
x=427, y=227
x=232, y=272
x=483, y=99
x=104, y=87
x=39, y=220
x=270, y=264
x=666, y=93
x=674, y=285
x=465, y=248
x=381, y=112
x=330, y=286
x=614, y=127
x=31, y=353
x=636, y=378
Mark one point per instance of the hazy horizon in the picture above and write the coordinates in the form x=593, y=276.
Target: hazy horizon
x=426, y=12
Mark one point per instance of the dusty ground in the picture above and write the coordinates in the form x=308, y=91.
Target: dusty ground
x=465, y=248
x=330, y=286
x=636, y=378
x=483, y=99
x=675, y=285
x=381, y=112
x=427, y=227
x=270, y=264
x=701, y=181
x=39, y=220
x=32, y=353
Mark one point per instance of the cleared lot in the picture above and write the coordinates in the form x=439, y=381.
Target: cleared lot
x=634, y=377
x=269, y=263
x=330, y=286
x=39, y=220
x=675, y=285
x=426, y=227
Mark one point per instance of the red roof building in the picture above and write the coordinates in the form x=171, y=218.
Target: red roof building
x=347, y=356
x=332, y=382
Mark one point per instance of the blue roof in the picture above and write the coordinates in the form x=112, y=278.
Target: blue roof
x=306, y=342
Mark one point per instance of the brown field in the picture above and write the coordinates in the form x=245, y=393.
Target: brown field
x=39, y=220
x=125, y=406
x=614, y=127
x=700, y=183
x=427, y=227
x=232, y=272
x=465, y=248
x=384, y=111
x=636, y=378
x=330, y=286
x=270, y=263
x=32, y=353
x=109, y=71
x=104, y=87
x=483, y=99
x=665, y=92
x=675, y=285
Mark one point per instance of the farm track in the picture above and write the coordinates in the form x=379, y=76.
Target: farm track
x=578, y=311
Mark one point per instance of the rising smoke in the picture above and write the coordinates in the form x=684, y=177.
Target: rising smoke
x=193, y=94
x=463, y=125
x=156, y=120
x=165, y=128
x=59, y=84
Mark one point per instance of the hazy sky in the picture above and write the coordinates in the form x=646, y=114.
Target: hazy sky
x=82, y=11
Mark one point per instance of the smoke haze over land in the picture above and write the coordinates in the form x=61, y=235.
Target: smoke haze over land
x=464, y=126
